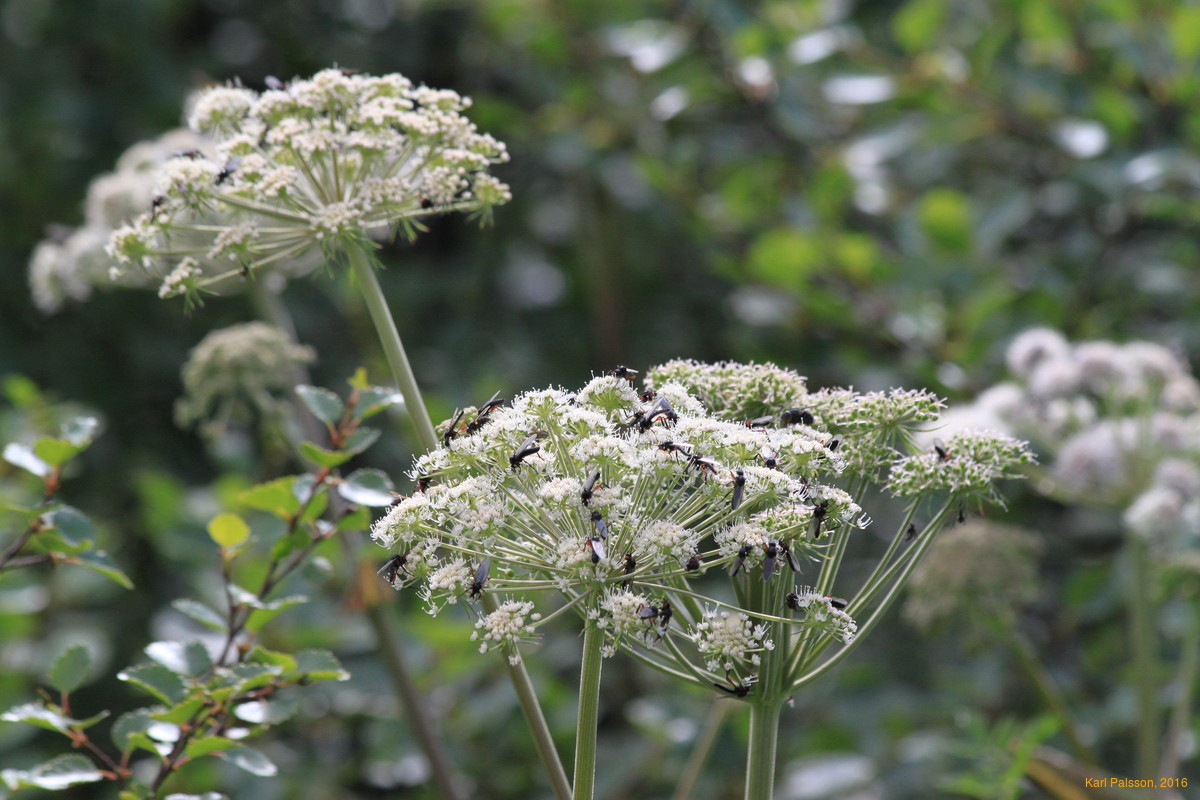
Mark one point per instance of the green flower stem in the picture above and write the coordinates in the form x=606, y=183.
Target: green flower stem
x=389, y=338
x=1142, y=632
x=1185, y=682
x=702, y=749
x=534, y=717
x=589, y=708
x=760, y=758
x=1049, y=690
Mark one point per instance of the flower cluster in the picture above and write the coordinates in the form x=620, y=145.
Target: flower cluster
x=505, y=627
x=643, y=509
x=967, y=465
x=1121, y=421
x=312, y=164
x=237, y=372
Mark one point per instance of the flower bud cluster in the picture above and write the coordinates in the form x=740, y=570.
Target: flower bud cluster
x=317, y=163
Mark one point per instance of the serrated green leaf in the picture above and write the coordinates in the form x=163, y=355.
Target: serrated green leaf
x=228, y=530
x=201, y=613
x=360, y=440
x=374, y=399
x=157, y=680
x=22, y=455
x=322, y=457
x=284, y=661
x=320, y=665
x=324, y=404
x=131, y=723
x=367, y=487
x=71, y=523
x=207, y=745
x=191, y=659
x=244, y=677
x=274, y=496
x=250, y=760
x=99, y=561
x=269, y=611
x=70, y=669
x=80, y=431
x=56, y=774
x=357, y=520
x=55, y=452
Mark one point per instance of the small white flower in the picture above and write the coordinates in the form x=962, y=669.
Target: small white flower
x=730, y=641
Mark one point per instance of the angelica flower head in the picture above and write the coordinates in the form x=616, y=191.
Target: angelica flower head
x=633, y=508
x=315, y=165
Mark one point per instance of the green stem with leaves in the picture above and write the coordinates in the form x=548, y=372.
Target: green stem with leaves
x=385, y=327
x=588, y=718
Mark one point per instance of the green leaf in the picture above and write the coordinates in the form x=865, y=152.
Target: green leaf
x=228, y=530
x=72, y=525
x=266, y=612
x=191, y=659
x=250, y=760
x=266, y=712
x=132, y=723
x=99, y=561
x=244, y=677
x=181, y=713
x=315, y=508
x=374, y=399
x=51, y=718
x=157, y=680
x=284, y=661
x=320, y=665
x=322, y=457
x=367, y=487
x=274, y=496
x=360, y=440
x=359, y=379
x=80, y=431
x=918, y=24
x=24, y=393
x=55, y=452
x=22, y=455
x=201, y=613
x=207, y=745
x=70, y=669
x=324, y=404
x=56, y=774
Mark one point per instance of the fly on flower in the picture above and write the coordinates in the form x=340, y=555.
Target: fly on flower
x=392, y=568
x=625, y=372
x=818, y=516
x=736, y=689
x=589, y=486
x=662, y=613
x=481, y=577
x=759, y=423
x=452, y=428
x=740, y=561
x=771, y=552
x=527, y=448
x=739, y=489
x=789, y=556
x=797, y=416
x=630, y=566
x=939, y=447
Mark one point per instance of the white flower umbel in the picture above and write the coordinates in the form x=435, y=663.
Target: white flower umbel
x=506, y=627
x=318, y=164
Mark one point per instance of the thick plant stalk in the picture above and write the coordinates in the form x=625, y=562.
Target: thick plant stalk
x=393, y=348
x=1141, y=622
x=589, y=707
x=527, y=697
x=760, y=758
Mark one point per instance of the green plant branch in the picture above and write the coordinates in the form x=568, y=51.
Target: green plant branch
x=389, y=338
x=760, y=757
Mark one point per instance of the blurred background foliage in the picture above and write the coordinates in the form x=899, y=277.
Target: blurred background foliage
x=874, y=193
